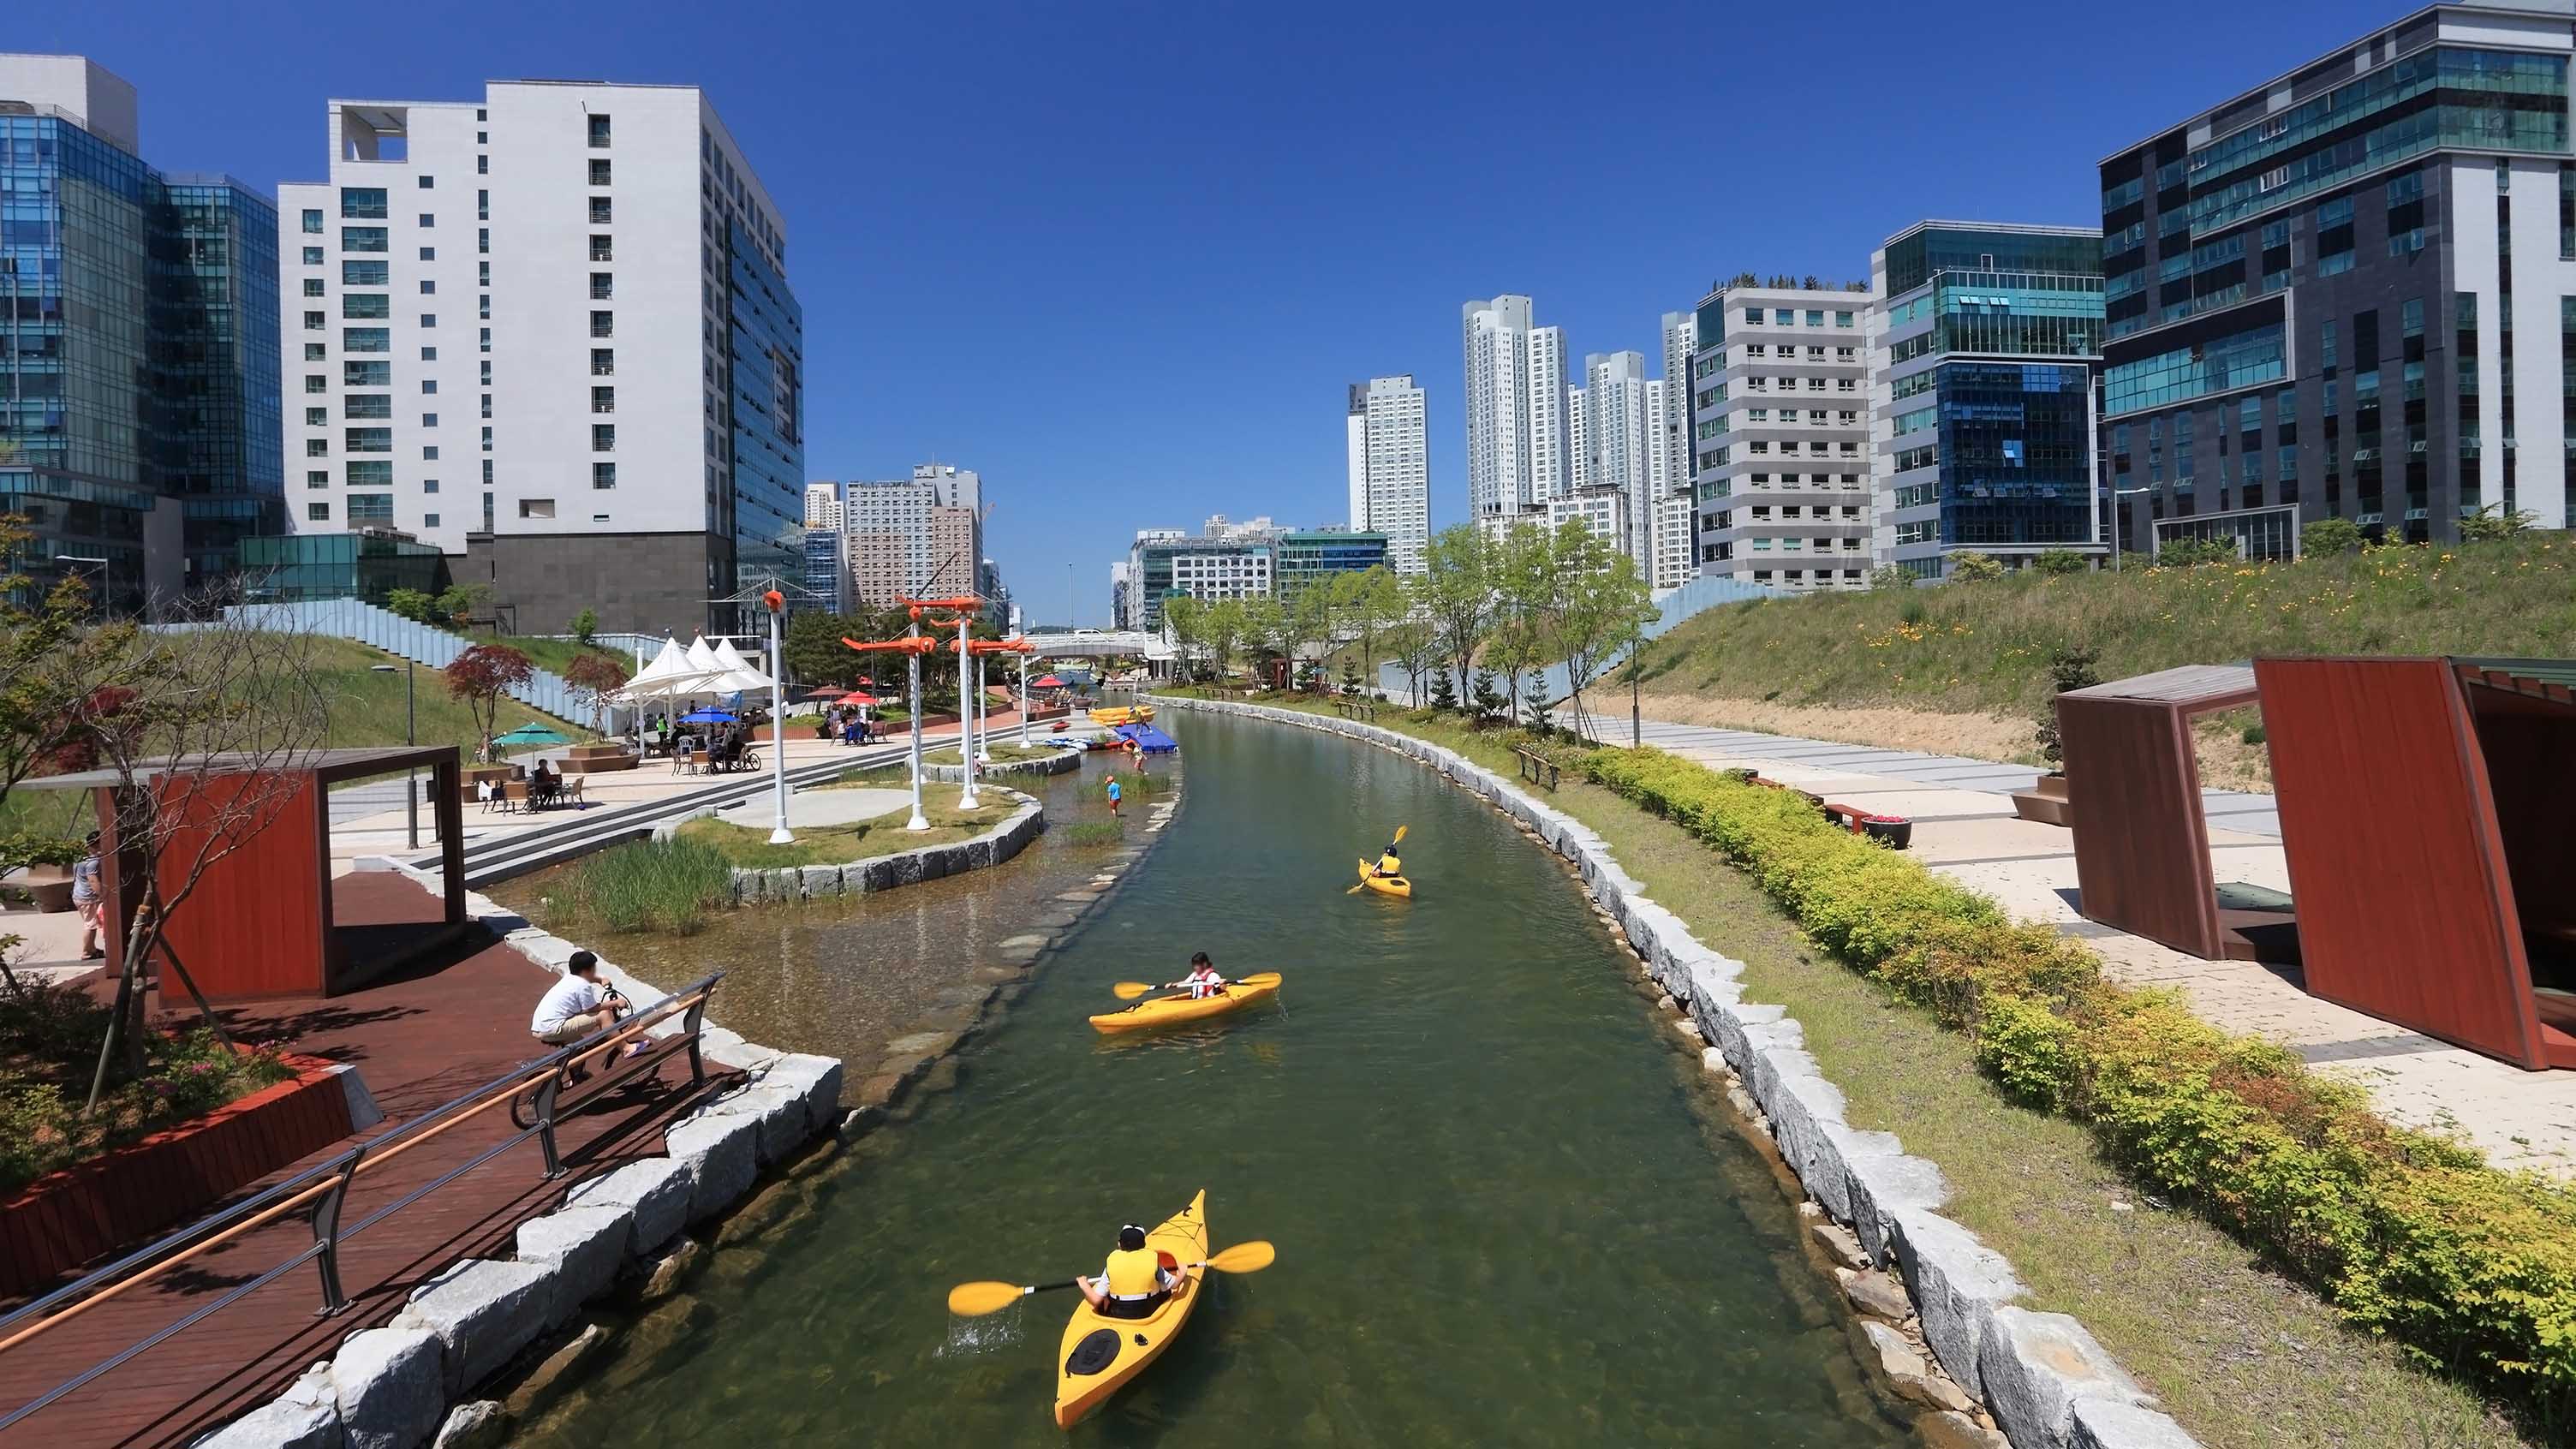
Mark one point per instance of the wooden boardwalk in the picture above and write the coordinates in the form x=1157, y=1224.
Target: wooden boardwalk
x=433, y=1030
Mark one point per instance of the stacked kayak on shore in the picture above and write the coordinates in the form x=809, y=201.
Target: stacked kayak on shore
x=1112, y=716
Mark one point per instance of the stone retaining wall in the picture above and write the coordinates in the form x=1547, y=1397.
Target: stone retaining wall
x=888, y=872
x=397, y=1386
x=2040, y=1376
x=1062, y=762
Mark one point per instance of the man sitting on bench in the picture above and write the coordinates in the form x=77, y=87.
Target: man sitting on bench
x=578, y=1005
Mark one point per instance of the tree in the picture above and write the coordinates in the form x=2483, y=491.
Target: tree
x=2069, y=667
x=1602, y=607
x=1185, y=619
x=480, y=676
x=1487, y=701
x=1524, y=576
x=2192, y=552
x=1370, y=602
x=1305, y=620
x=1350, y=675
x=811, y=648
x=585, y=625
x=458, y=603
x=2494, y=522
x=203, y=758
x=412, y=604
x=1534, y=702
x=1456, y=594
x=1264, y=627
x=1444, y=695
x=1411, y=645
x=2058, y=562
x=593, y=677
x=1970, y=567
x=1889, y=576
x=1222, y=625
x=2330, y=536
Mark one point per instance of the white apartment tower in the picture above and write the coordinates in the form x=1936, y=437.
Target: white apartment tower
x=1782, y=436
x=1680, y=333
x=1622, y=430
x=823, y=506
x=915, y=537
x=1390, y=469
x=1516, y=426
x=550, y=331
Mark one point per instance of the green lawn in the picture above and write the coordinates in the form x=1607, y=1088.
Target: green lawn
x=1985, y=646
x=2240, y=1355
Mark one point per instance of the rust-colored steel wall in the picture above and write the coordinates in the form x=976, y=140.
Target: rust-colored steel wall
x=2133, y=802
x=2405, y=911
x=257, y=921
x=2530, y=746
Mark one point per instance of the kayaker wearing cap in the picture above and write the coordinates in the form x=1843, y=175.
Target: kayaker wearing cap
x=1387, y=865
x=1203, y=981
x=1134, y=1283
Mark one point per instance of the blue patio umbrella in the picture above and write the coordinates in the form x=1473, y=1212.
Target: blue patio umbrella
x=708, y=716
x=530, y=734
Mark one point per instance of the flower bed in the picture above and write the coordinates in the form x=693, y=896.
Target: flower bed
x=68, y=1217
x=2472, y=1269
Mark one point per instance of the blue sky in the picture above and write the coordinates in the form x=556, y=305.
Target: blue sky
x=1124, y=258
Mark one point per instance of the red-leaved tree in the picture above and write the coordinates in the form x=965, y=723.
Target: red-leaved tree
x=480, y=676
x=594, y=677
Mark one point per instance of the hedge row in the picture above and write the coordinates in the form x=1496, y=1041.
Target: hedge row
x=2469, y=1268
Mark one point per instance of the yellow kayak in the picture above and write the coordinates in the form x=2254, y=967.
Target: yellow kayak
x=1115, y=715
x=1387, y=885
x=1172, y=1010
x=1100, y=1353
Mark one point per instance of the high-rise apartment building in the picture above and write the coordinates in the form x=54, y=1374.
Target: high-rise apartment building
x=139, y=422
x=1622, y=432
x=1601, y=508
x=1390, y=467
x=1210, y=568
x=823, y=506
x=827, y=571
x=1781, y=436
x=1984, y=340
x=2350, y=292
x=1676, y=556
x=1681, y=330
x=550, y=330
x=1516, y=428
x=916, y=537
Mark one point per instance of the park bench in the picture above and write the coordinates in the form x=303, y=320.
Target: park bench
x=1536, y=768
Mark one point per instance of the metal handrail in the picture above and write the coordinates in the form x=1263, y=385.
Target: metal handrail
x=329, y=1182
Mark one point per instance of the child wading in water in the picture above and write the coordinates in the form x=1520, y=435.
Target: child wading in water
x=1114, y=793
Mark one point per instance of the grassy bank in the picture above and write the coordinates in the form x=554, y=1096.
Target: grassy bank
x=1002, y=754
x=1984, y=647
x=750, y=849
x=665, y=886
x=2241, y=1354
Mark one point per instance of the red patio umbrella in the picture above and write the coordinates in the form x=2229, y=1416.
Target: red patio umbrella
x=824, y=693
x=1046, y=681
x=855, y=697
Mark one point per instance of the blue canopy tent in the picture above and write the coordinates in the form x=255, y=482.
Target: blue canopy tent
x=708, y=716
x=1147, y=738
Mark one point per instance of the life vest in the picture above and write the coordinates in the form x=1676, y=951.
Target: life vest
x=1204, y=986
x=1130, y=1274
x=1387, y=864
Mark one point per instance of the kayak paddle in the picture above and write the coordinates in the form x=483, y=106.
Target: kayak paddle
x=1130, y=990
x=1390, y=850
x=973, y=1300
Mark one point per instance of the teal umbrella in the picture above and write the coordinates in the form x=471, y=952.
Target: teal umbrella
x=531, y=734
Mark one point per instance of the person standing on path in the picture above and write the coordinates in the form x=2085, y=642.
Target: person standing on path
x=88, y=901
x=1114, y=792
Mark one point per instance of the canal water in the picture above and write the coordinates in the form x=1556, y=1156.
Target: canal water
x=1505, y=1211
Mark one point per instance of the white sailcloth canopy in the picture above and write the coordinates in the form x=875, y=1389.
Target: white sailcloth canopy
x=671, y=675
x=739, y=675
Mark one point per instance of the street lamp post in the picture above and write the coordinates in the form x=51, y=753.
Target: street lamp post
x=779, y=834
x=965, y=717
x=411, y=736
x=912, y=664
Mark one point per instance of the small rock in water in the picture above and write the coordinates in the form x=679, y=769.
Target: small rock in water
x=669, y=1269
x=1665, y=1002
x=556, y=1365
x=1689, y=1031
x=1951, y=1429
x=1876, y=1294
x=478, y=1425
x=1840, y=1245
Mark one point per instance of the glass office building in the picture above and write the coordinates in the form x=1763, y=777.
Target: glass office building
x=367, y=566
x=1311, y=555
x=1984, y=352
x=766, y=328
x=138, y=362
x=2345, y=293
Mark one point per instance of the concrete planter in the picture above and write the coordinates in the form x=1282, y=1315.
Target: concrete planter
x=903, y=868
x=1062, y=762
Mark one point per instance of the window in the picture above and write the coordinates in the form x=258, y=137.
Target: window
x=427, y=182
x=603, y=286
x=371, y=508
x=1784, y=316
x=366, y=306
x=536, y=508
x=317, y=478
x=429, y=354
x=313, y=351
x=429, y=385
x=601, y=250
x=318, y=512
x=1753, y=316
x=427, y=220
x=598, y=129
x=429, y=454
x=603, y=437
x=317, y=417
x=313, y=221
x=362, y=238
x=487, y=440
x=316, y=382
x=1842, y=319
x=364, y=274
x=484, y=343
x=317, y=447
x=1816, y=317
x=368, y=405
x=365, y=339
x=429, y=420
x=603, y=399
x=482, y=206
x=602, y=211
x=603, y=362
x=313, y=286
x=2334, y=266
x=368, y=440
x=483, y=239
x=429, y=485
x=482, y=164
x=316, y=321
x=603, y=475
x=428, y=288
x=366, y=374
x=429, y=520
x=312, y=256
x=599, y=171
x=603, y=324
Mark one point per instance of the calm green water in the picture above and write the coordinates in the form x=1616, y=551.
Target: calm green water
x=1503, y=1213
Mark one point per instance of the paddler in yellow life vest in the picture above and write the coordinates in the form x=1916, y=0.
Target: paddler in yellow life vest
x=1388, y=866
x=1135, y=1281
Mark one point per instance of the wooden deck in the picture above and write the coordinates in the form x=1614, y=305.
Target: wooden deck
x=424, y=1034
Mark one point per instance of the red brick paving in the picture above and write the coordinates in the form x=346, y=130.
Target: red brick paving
x=425, y=1035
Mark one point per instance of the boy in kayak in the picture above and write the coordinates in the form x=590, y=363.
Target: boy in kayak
x=1134, y=1282
x=1388, y=865
x=1203, y=981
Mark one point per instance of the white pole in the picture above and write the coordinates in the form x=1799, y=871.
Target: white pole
x=912, y=659
x=1024, y=701
x=984, y=707
x=965, y=721
x=779, y=834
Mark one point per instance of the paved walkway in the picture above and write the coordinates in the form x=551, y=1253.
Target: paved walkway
x=434, y=1032
x=1964, y=827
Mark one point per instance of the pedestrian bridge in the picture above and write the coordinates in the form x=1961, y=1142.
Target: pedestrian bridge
x=1100, y=644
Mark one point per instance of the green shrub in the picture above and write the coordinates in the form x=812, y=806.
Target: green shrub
x=650, y=885
x=2329, y=536
x=2056, y=562
x=1095, y=832
x=2253, y=735
x=2471, y=1269
x=1970, y=567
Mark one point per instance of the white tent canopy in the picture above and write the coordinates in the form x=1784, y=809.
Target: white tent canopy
x=672, y=675
x=739, y=675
